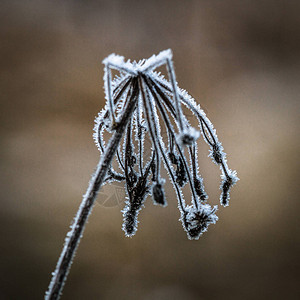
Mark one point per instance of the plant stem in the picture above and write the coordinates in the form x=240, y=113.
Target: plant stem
x=73, y=236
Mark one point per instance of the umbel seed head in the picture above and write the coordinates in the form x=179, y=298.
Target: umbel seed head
x=158, y=104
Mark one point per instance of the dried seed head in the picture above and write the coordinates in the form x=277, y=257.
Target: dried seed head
x=226, y=185
x=181, y=175
x=198, y=184
x=158, y=193
x=153, y=170
x=196, y=221
x=129, y=223
x=216, y=153
x=173, y=158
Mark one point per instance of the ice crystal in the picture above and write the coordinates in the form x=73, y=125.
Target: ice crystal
x=158, y=105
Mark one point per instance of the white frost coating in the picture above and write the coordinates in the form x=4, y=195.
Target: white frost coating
x=98, y=133
x=103, y=119
x=159, y=145
x=119, y=81
x=156, y=61
x=217, y=149
x=227, y=183
x=170, y=128
x=117, y=62
x=205, y=209
x=126, y=215
x=114, y=59
x=196, y=221
x=233, y=175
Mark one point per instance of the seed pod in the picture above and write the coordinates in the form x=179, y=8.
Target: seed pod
x=181, y=176
x=158, y=194
x=226, y=185
x=173, y=158
x=228, y=182
x=199, y=189
x=153, y=167
x=217, y=153
x=130, y=223
x=196, y=221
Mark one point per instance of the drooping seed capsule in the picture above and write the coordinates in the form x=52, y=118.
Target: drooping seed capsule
x=196, y=221
x=158, y=193
x=173, y=158
x=129, y=223
x=153, y=168
x=181, y=176
x=225, y=191
x=199, y=189
x=216, y=153
x=228, y=182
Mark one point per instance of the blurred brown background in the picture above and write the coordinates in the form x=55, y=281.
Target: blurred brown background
x=239, y=59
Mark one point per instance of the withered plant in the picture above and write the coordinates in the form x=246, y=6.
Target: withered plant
x=140, y=101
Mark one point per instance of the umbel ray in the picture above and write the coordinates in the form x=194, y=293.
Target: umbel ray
x=141, y=104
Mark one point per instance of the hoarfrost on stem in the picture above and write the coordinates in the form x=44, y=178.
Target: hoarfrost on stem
x=159, y=105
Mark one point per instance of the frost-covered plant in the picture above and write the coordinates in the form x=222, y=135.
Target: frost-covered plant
x=140, y=102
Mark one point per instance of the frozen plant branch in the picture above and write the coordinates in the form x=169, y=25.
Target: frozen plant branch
x=137, y=100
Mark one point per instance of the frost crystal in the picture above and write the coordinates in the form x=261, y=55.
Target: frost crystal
x=158, y=109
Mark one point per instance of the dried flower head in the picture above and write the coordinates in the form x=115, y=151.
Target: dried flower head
x=158, y=104
x=196, y=221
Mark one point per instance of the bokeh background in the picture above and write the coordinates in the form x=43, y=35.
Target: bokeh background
x=239, y=59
